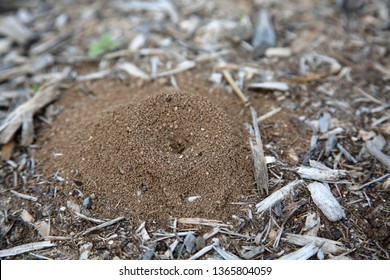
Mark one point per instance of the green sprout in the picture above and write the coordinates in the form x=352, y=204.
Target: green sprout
x=241, y=15
x=103, y=46
x=35, y=87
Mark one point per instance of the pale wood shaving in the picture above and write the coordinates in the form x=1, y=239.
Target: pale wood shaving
x=24, y=196
x=259, y=163
x=277, y=196
x=103, y=225
x=235, y=88
x=181, y=67
x=375, y=146
x=302, y=254
x=324, y=199
x=46, y=94
x=201, y=221
x=322, y=175
x=329, y=246
x=25, y=248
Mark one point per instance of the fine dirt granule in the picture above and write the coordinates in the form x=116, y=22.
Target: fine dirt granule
x=146, y=161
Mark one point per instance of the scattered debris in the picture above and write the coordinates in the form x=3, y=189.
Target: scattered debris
x=87, y=203
x=319, y=64
x=85, y=249
x=190, y=242
x=324, y=118
x=142, y=232
x=46, y=94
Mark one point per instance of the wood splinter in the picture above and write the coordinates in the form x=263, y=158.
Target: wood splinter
x=235, y=88
x=259, y=163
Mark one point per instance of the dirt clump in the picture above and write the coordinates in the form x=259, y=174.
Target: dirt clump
x=171, y=155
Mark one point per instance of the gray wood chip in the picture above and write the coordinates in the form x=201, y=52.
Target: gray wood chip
x=324, y=199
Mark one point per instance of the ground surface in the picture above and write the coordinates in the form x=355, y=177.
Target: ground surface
x=168, y=154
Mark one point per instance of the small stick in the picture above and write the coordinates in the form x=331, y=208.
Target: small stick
x=94, y=76
x=181, y=67
x=277, y=196
x=202, y=252
x=259, y=163
x=200, y=221
x=228, y=232
x=269, y=114
x=169, y=235
x=346, y=153
x=45, y=95
x=329, y=246
x=40, y=257
x=58, y=238
x=225, y=255
x=304, y=253
x=367, y=95
x=212, y=233
x=322, y=175
x=106, y=224
x=235, y=88
x=207, y=57
x=358, y=188
x=374, y=148
x=335, y=131
x=25, y=248
x=24, y=196
x=381, y=69
x=82, y=216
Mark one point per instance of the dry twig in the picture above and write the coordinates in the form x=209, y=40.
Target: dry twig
x=25, y=248
x=259, y=163
x=235, y=88
x=103, y=225
x=46, y=94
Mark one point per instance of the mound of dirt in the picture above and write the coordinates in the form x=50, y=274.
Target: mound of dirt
x=170, y=155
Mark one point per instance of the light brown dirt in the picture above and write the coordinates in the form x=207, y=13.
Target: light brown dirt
x=143, y=151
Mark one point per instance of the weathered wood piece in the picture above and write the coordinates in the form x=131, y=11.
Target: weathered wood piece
x=277, y=196
x=25, y=248
x=324, y=199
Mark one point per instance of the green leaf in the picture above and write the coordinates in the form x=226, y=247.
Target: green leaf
x=35, y=87
x=241, y=15
x=106, y=40
x=103, y=46
x=95, y=50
